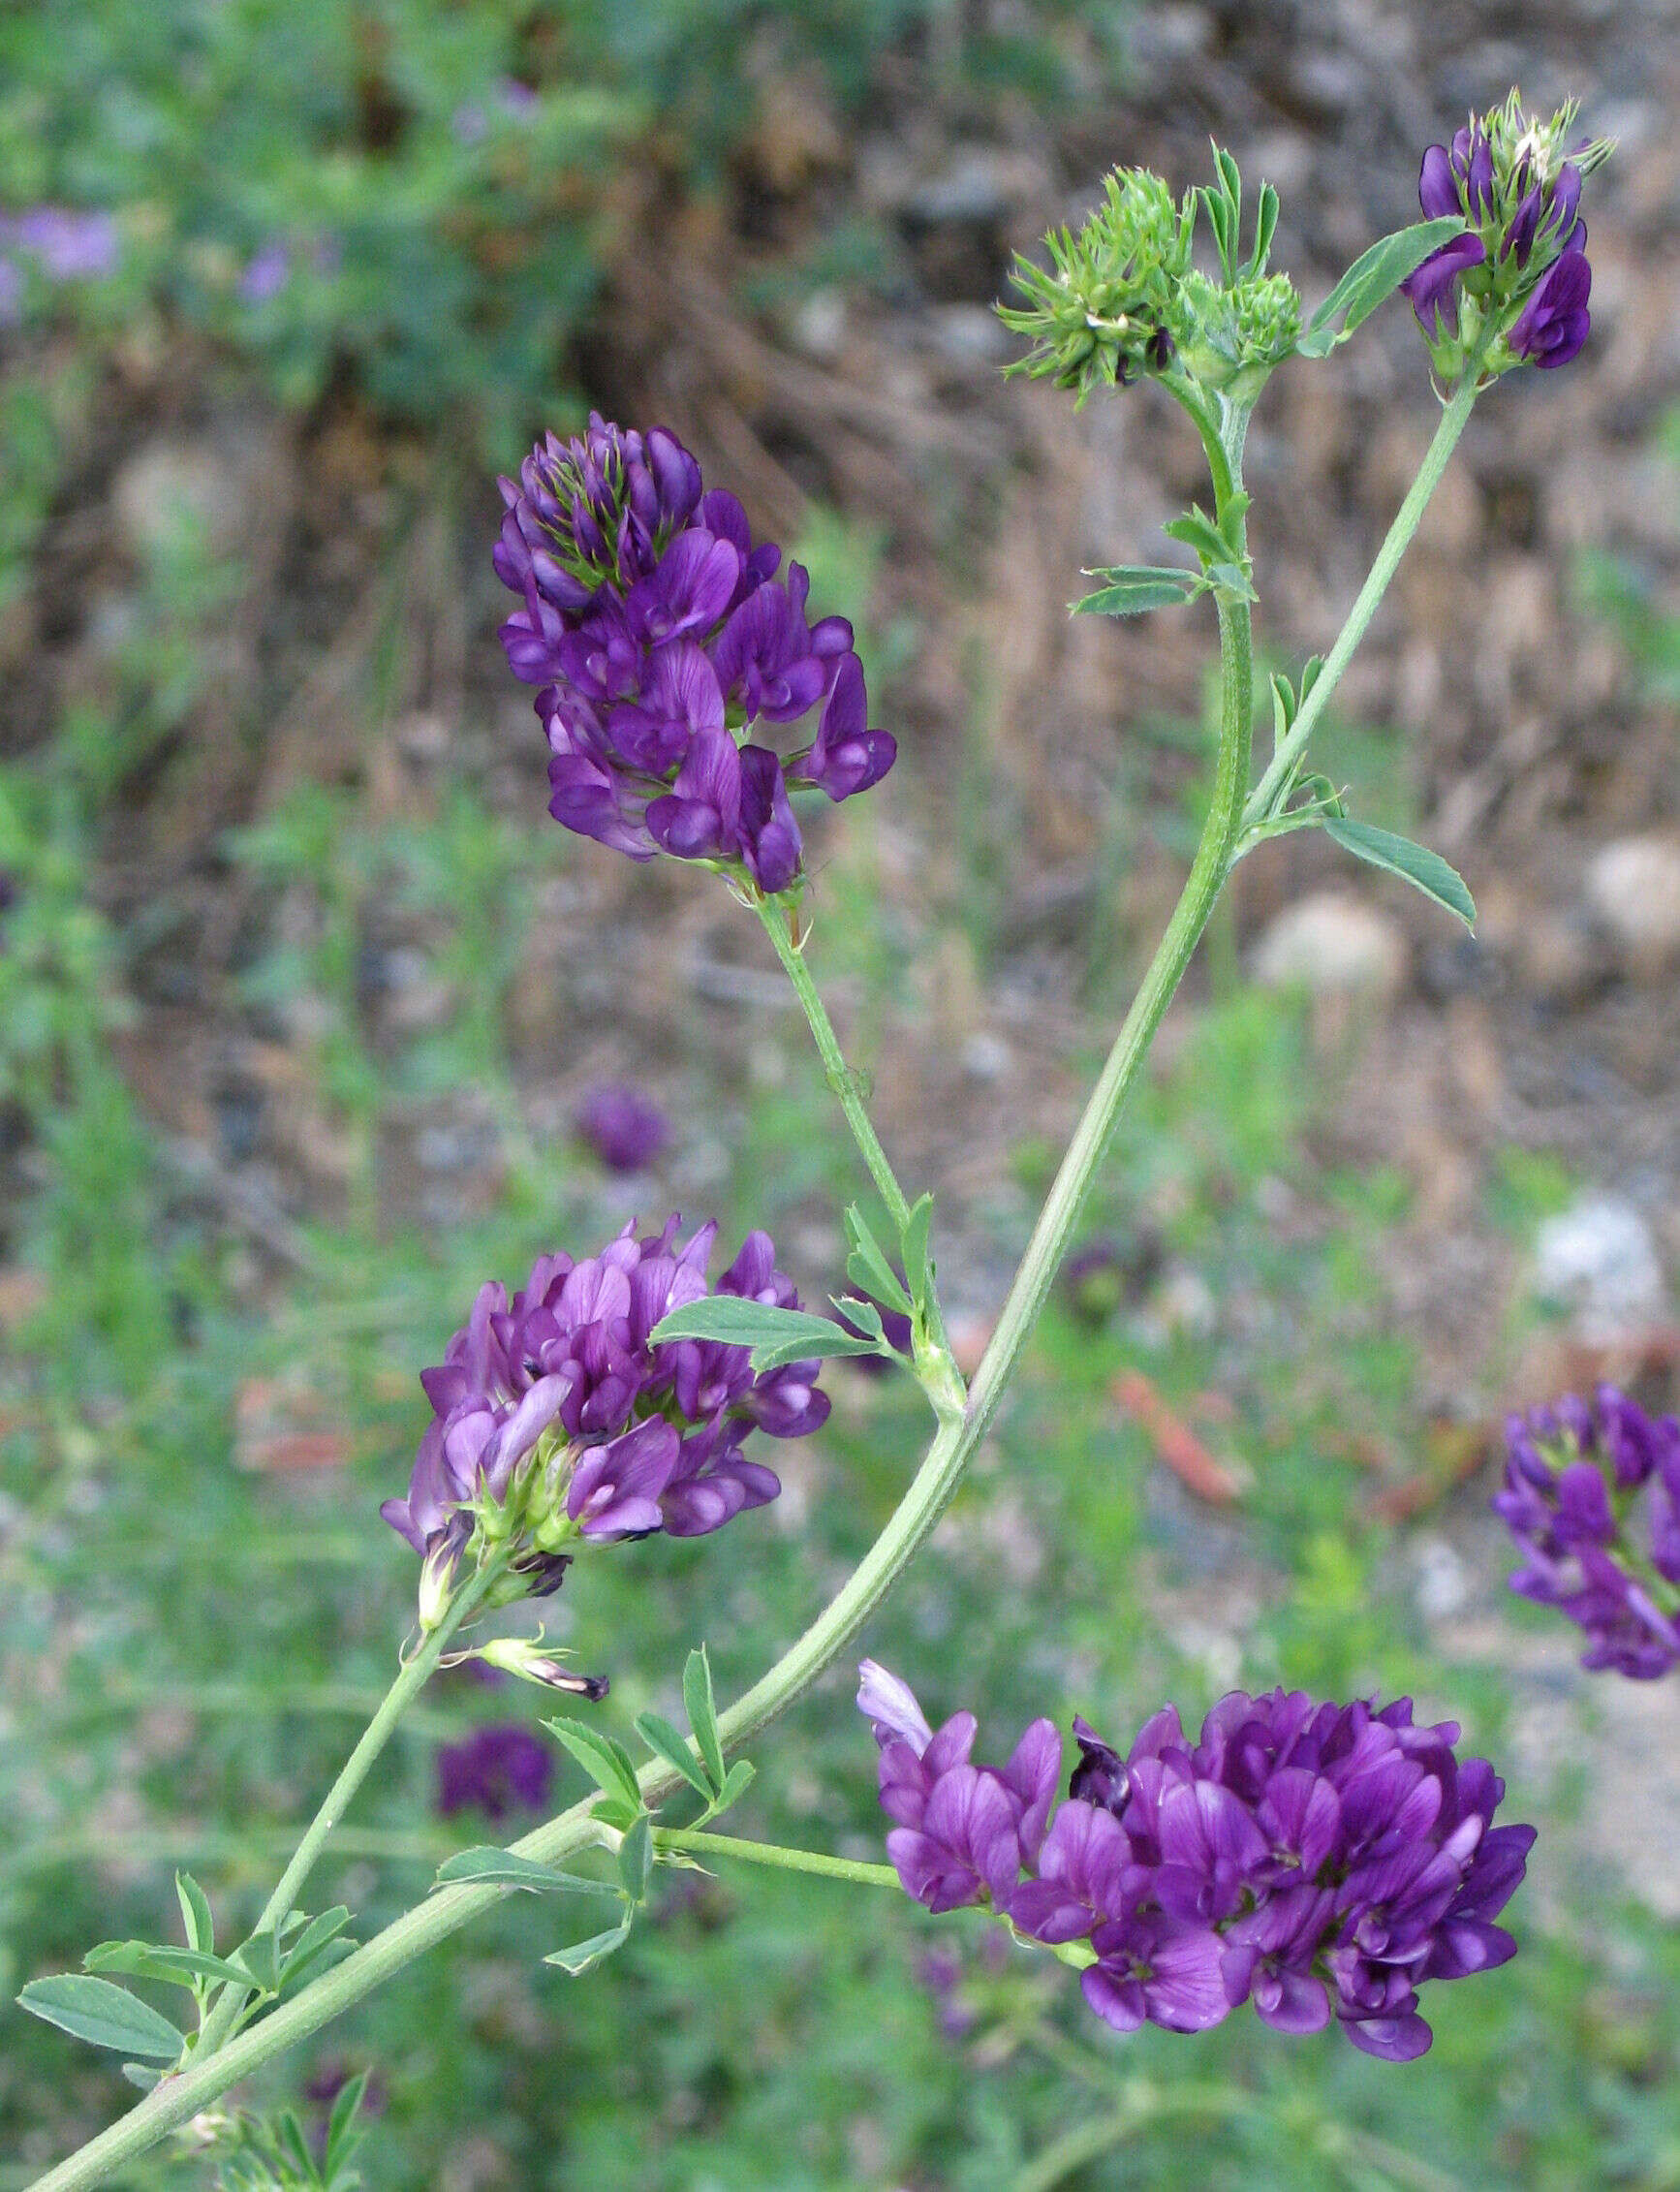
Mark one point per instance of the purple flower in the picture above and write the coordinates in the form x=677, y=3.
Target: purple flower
x=623, y=1125
x=1320, y=1860
x=69, y=245
x=557, y=1420
x=495, y=1770
x=661, y=638
x=1553, y=324
x=1576, y=1478
x=1521, y=262
x=265, y=274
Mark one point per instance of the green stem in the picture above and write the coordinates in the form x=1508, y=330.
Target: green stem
x=773, y=1854
x=778, y=919
x=1405, y=522
x=411, y=1679
x=959, y=1436
x=1147, y=2104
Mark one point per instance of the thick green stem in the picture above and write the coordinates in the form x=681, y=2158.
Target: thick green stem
x=777, y=919
x=416, y=1673
x=960, y=1433
x=1405, y=522
x=773, y=1855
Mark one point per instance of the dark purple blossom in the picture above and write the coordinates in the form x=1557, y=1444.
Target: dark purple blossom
x=557, y=1420
x=1320, y=1860
x=1521, y=262
x=1591, y=1497
x=1554, y=323
x=623, y=1125
x=495, y=1770
x=661, y=638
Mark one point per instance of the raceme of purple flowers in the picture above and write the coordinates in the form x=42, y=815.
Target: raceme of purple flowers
x=1516, y=216
x=1320, y=1860
x=494, y=1771
x=668, y=648
x=556, y=1419
x=1591, y=1497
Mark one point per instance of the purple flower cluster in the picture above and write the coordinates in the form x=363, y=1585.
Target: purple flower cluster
x=494, y=1771
x=1526, y=239
x=661, y=636
x=65, y=244
x=1319, y=1859
x=556, y=1419
x=1574, y=1475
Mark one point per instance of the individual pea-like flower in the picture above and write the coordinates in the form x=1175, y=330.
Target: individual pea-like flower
x=669, y=651
x=1591, y=1497
x=494, y=1771
x=558, y=1423
x=1513, y=287
x=1320, y=1860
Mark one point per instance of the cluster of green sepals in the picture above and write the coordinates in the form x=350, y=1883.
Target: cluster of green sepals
x=272, y=2154
x=779, y=1336
x=622, y=1819
x=259, y=1971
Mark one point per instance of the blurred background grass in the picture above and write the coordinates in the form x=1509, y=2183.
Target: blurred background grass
x=300, y=990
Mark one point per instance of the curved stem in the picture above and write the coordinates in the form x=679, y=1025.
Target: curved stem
x=778, y=919
x=1407, y=520
x=773, y=1855
x=958, y=1437
x=413, y=1678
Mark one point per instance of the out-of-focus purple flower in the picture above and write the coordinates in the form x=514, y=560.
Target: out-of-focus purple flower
x=495, y=1770
x=265, y=274
x=1577, y=1476
x=68, y=244
x=1320, y=1860
x=662, y=639
x=623, y=1125
x=517, y=100
x=557, y=1420
x=1554, y=323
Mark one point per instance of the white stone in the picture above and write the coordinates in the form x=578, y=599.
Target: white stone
x=1332, y=942
x=1599, y=1259
x=1634, y=886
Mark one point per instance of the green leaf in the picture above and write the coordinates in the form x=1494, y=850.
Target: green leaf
x=155, y=1959
x=195, y=1913
x=662, y=1737
x=342, y=2137
x=260, y=1957
x=604, y=1760
x=613, y=1811
x=142, y=2075
x=1198, y=530
x=776, y=1337
x=1425, y=870
x=701, y=1704
x=918, y=1270
x=737, y=1782
x=490, y=1868
x=106, y=2015
x=867, y=1265
x=1233, y=579
x=1265, y=228
x=1373, y=278
x=315, y=1939
x=584, y=1956
x=1130, y=589
x=635, y=1859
